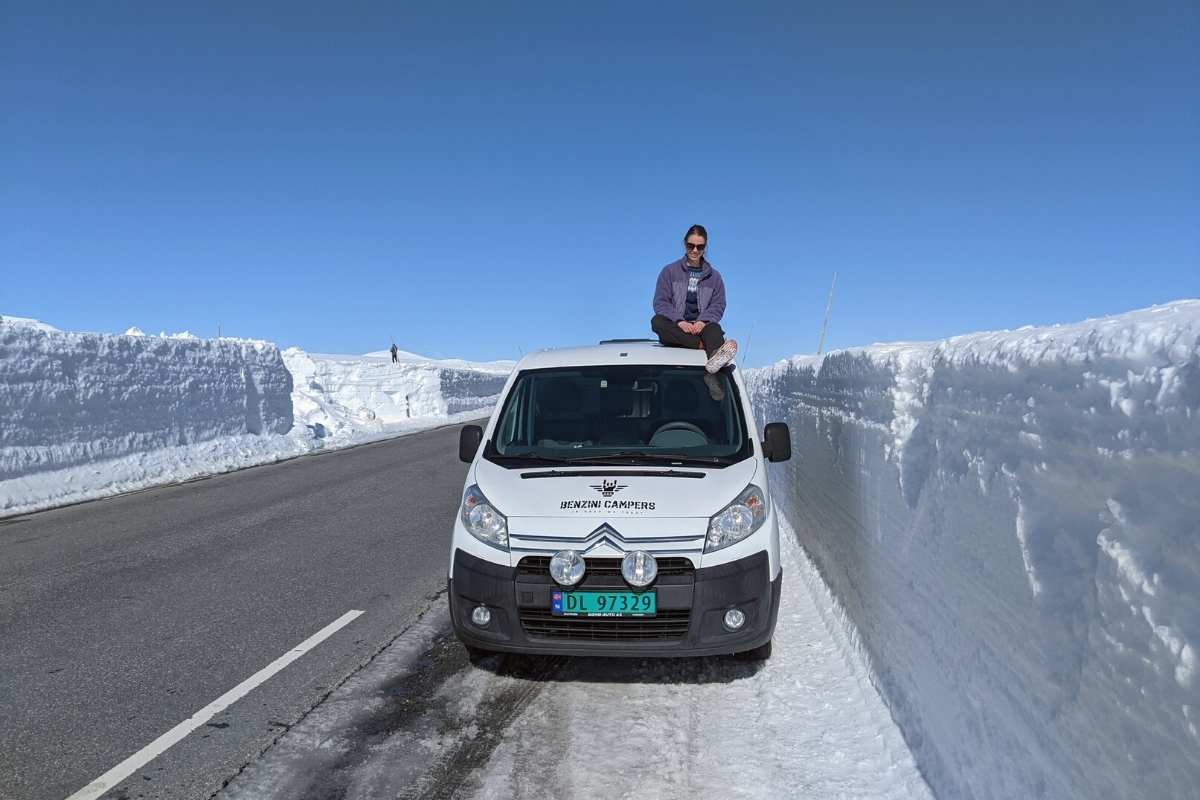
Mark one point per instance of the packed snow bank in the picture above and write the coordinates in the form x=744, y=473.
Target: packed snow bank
x=74, y=401
x=1012, y=522
x=89, y=415
x=344, y=399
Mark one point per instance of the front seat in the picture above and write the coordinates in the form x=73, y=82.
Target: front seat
x=559, y=417
x=681, y=404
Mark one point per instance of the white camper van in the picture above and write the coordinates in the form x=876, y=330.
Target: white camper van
x=617, y=504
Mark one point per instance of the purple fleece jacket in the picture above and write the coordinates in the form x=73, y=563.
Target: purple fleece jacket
x=670, y=294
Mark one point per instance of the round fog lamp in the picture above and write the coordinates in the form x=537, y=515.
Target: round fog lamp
x=639, y=568
x=481, y=616
x=566, y=567
x=734, y=619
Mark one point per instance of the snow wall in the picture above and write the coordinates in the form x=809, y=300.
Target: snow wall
x=1012, y=523
x=338, y=396
x=77, y=398
x=88, y=415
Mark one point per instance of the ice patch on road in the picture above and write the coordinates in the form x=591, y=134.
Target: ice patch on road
x=323, y=741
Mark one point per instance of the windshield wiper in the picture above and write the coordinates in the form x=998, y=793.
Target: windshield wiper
x=528, y=457
x=622, y=457
x=626, y=455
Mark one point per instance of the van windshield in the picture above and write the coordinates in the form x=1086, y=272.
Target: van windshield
x=636, y=414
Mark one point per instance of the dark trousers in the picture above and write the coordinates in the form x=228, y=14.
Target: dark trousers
x=712, y=337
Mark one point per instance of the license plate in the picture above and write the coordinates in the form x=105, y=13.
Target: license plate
x=603, y=604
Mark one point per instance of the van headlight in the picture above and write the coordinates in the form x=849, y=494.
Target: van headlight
x=737, y=520
x=482, y=519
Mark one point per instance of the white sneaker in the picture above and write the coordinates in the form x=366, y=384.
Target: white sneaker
x=723, y=356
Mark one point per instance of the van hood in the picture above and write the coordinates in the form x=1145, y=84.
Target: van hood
x=594, y=494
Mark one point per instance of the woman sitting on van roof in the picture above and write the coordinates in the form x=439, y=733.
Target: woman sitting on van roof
x=689, y=302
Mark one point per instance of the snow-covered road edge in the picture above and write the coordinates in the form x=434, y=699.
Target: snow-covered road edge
x=88, y=415
x=173, y=465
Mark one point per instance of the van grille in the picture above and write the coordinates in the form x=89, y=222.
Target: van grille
x=672, y=624
x=667, y=624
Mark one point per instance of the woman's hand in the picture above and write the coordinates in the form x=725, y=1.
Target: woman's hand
x=687, y=327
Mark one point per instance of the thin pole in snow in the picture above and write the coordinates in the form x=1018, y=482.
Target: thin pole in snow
x=825, y=322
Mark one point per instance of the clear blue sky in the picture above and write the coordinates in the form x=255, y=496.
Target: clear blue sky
x=487, y=178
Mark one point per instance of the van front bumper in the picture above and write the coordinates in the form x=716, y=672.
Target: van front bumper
x=689, y=622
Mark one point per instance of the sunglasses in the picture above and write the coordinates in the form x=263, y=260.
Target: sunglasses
x=698, y=247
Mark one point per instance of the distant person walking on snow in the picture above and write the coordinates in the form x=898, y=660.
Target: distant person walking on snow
x=689, y=301
x=395, y=350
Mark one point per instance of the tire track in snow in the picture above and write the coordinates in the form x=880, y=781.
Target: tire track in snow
x=472, y=754
x=406, y=708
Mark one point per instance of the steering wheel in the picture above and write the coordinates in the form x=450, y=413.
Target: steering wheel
x=680, y=426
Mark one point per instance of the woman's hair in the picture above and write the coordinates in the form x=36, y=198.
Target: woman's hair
x=696, y=229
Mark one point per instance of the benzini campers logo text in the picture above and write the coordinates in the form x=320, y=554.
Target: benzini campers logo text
x=608, y=489
x=627, y=505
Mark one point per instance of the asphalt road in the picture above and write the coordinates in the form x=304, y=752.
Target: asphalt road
x=121, y=618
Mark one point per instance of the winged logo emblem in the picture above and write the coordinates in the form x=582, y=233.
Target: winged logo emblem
x=609, y=488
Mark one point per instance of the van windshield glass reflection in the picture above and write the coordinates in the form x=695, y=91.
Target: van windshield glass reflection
x=620, y=414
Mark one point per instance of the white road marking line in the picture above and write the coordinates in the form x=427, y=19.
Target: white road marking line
x=160, y=745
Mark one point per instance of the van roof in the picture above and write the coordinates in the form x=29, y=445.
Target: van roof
x=613, y=352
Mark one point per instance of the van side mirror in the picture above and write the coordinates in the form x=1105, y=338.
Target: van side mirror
x=469, y=439
x=777, y=442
